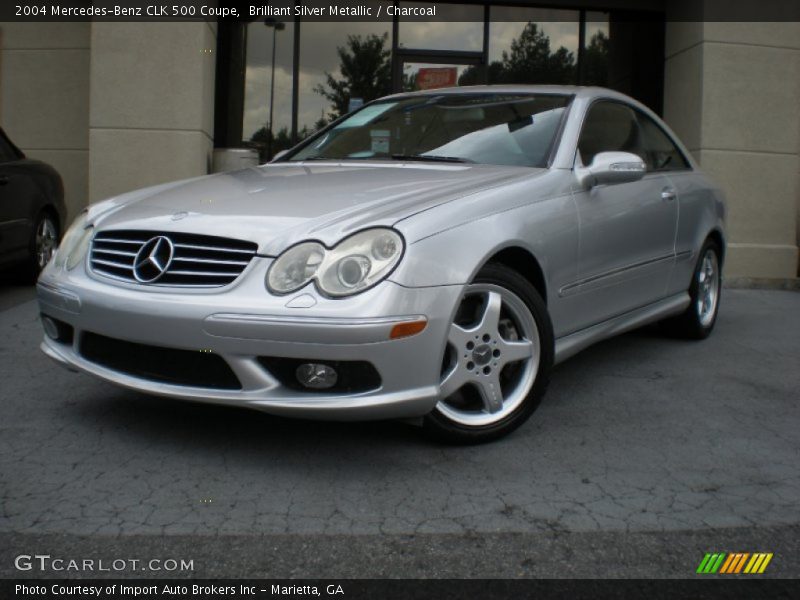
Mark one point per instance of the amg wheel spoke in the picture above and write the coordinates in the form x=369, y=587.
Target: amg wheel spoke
x=457, y=335
x=490, y=392
x=453, y=381
x=491, y=313
x=515, y=351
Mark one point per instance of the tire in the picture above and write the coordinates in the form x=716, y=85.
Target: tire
x=705, y=292
x=43, y=243
x=497, y=362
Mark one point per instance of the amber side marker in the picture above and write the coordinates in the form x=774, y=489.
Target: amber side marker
x=407, y=329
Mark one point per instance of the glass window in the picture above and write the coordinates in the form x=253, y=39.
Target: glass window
x=341, y=66
x=661, y=153
x=457, y=27
x=504, y=129
x=428, y=76
x=532, y=45
x=594, y=68
x=609, y=127
x=258, y=93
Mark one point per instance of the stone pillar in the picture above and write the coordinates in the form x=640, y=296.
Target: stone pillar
x=731, y=94
x=152, y=104
x=44, y=98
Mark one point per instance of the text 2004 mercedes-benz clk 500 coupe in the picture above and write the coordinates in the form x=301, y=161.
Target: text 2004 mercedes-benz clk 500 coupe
x=430, y=255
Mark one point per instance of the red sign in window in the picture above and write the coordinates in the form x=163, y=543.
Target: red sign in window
x=429, y=78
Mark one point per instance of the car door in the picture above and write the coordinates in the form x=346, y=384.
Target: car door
x=664, y=156
x=17, y=191
x=627, y=230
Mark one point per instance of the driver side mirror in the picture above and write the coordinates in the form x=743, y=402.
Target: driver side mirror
x=610, y=168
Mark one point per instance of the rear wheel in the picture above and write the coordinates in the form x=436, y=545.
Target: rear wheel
x=497, y=362
x=699, y=318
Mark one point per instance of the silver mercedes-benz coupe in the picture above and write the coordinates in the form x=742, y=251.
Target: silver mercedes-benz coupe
x=429, y=256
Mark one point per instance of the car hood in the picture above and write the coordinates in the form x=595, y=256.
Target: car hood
x=278, y=204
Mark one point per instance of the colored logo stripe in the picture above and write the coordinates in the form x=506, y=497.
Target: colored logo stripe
x=734, y=563
x=758, y=563
x=711, y=563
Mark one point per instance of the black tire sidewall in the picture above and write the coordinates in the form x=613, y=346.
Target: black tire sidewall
x=442, y=428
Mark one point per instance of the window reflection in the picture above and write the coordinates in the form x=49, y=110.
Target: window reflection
x=339, y=67
x=258, y=77
x=429, y=76
x=458, y=27
x=343, y=65
x=532, y=45
x=595, y=53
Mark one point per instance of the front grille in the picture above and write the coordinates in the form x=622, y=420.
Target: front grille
x=155, y=363
x=197, y=260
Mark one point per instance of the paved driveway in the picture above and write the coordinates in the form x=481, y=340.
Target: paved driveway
x=643, y=446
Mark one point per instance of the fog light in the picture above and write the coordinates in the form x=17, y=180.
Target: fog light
x=50, y=328
x=316, y=376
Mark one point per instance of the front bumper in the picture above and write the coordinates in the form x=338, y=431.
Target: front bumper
x=242, y=322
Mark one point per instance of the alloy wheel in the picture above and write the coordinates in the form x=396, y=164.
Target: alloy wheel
x=46, y=241
x=708, y=288
x=492, y=357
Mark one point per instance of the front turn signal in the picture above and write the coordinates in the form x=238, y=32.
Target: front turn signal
x=408, y=329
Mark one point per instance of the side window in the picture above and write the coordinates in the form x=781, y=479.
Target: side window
x=661, y=153
x=609, y=127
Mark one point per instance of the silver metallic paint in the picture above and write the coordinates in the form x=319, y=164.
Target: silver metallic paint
x=613, y=257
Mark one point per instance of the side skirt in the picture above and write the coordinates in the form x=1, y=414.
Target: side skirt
x=575, y=342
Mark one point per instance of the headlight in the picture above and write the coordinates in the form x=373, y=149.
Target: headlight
x=353, y=265
x=295, y=267
x=73, y=245
x=78, y=253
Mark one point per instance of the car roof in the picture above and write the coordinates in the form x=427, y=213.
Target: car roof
x=570, y=90
x=587, y=93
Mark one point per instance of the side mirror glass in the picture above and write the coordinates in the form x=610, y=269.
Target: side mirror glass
x=610, y=168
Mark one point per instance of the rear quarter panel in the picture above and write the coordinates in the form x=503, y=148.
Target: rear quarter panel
x=701, y=211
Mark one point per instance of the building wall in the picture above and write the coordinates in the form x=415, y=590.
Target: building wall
x=44, y=98
x=151, y=104
x=112, y=106
x=731, y=93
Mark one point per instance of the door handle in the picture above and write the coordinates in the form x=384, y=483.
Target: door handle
x=668, y=194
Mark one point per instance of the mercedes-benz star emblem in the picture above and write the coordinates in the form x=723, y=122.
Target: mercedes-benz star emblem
x=153, y=259
x=482, y=354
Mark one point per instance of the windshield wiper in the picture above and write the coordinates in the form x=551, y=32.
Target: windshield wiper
x=431, y=157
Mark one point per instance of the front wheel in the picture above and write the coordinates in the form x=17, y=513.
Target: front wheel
x=497, y=362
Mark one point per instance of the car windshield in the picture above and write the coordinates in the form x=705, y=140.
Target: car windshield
x=495, y=129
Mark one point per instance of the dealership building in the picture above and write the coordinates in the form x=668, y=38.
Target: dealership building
x=116, y=106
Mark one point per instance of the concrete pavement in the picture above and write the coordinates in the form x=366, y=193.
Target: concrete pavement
x=642, y=442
